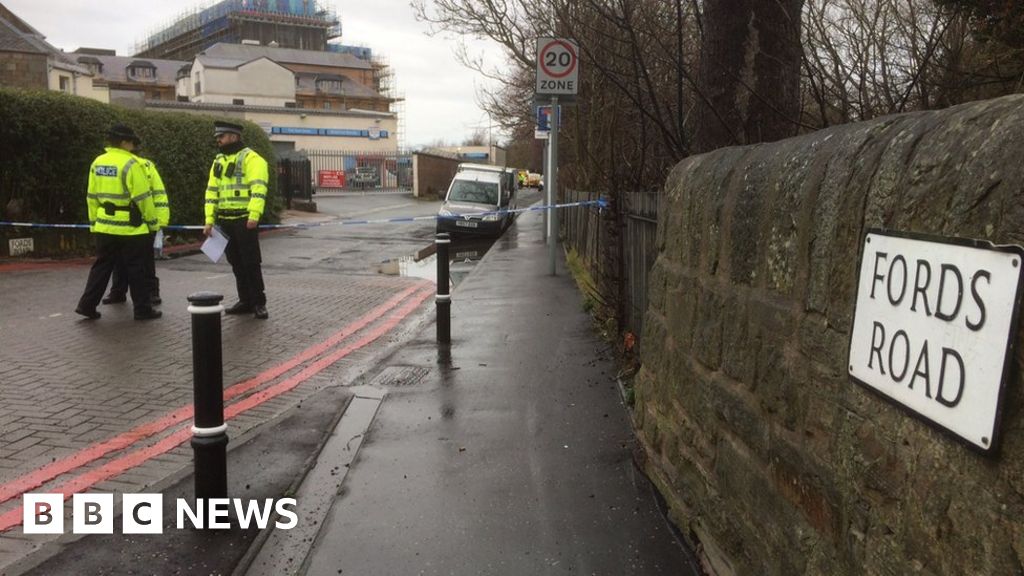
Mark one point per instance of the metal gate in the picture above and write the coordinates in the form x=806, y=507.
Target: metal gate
x=294, y=180
x=353, y=170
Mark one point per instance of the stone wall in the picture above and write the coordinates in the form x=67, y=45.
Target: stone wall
x=432, y=174
x=23, y=70
x=771, y=459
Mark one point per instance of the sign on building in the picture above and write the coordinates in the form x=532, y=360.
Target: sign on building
x=330, y=178
x=558, y=69
x=934, y=328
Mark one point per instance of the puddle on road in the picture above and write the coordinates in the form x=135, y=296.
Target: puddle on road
x=463, y=256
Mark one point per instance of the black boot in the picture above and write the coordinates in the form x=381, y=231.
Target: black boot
x=239, y=308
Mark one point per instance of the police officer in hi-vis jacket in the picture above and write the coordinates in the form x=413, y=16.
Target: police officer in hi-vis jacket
x=235, y=197
x=121, y=216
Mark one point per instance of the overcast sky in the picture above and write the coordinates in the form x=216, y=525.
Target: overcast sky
x=441, y=94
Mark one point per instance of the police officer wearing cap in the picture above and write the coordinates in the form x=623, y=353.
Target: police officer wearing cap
x=119, y=282
x=235, y=197
x=121, y=215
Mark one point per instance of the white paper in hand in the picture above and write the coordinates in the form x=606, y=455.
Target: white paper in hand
x=215, y=244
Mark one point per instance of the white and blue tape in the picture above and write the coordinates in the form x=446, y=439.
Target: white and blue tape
x=601, y=203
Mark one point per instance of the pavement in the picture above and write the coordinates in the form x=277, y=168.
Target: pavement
x=509, y=452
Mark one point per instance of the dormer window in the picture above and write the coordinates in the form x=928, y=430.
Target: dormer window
x=141, y=70
x=93, y=64
x=329, y=84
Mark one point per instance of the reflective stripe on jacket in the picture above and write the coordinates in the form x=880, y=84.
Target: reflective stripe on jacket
x=156, y=183
x=117, y=182
x=241, y=189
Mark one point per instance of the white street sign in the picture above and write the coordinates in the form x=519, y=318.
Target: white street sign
x=934, y=325
x=558, y=69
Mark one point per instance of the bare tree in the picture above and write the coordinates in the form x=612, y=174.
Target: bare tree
x=749, y=72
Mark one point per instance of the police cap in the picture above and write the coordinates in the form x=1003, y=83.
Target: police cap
x=122, y=133
x=226, y=128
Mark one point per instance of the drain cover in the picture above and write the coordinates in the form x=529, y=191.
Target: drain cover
x=397, y=376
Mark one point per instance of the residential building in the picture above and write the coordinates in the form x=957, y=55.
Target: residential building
x=130, y=81
x=27, y=60
x=321, y=80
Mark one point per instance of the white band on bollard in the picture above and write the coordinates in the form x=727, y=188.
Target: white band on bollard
x=443, y=298
x=442, y=241
x=192, y=309
x=207, y=432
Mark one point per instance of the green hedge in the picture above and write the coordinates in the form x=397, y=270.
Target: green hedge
x=49, y=139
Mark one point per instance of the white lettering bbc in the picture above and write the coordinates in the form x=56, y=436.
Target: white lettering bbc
x=94, y=513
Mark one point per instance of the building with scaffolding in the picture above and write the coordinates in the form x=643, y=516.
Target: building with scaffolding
x=283, y=27
x=300, y=24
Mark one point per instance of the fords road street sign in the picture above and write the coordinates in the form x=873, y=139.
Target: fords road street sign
x=558, y=69
x=934, y=326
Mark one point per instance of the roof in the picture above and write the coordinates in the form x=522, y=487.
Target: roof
x=18, y=36
x=18, y=24
x=247, y=52
x=13, y=40
x=115, y=68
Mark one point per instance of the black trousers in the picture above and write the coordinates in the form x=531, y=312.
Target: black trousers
x=119, y=284
x=128, y=252
x=244, y=255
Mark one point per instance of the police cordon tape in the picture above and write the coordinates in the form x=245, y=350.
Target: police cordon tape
x=601, y=203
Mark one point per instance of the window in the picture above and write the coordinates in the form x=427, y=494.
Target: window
x=327, y=105
x=330, y=85
x=289, y=104
x=199, y=87
x=65, y=84
x=141, y=72
x=238, y=102
x=474, y=191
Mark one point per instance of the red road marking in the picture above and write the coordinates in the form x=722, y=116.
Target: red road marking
x=89, y=454
x=115, y=467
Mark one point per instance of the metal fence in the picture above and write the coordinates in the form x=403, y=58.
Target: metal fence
x=355, y=170
x=640, y=252
x=618, y=250
x=294, y=180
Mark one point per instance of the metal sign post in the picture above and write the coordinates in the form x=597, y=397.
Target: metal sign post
x=552, y=186
x=557, y=75
x=546, y=182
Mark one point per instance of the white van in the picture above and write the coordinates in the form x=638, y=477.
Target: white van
x=478, y=200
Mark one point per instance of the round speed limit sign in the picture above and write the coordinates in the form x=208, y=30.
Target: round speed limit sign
x=557, y=66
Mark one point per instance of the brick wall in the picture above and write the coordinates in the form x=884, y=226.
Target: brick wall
x=432, y=174
x=22, y=70
x=772, y=461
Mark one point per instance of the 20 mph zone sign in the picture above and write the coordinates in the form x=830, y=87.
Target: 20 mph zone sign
x=934, y=328
x=558, y=69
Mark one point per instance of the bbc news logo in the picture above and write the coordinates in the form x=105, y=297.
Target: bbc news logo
x=93, y=513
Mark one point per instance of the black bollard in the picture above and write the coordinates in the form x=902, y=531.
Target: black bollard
x=444, y=299
x=209, y=433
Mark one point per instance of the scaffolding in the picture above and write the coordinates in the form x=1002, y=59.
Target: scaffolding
x=219, y=21
x=386, y=84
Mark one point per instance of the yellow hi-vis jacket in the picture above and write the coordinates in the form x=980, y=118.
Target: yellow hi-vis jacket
x=237, y=187
x=119, y=198
x=156, y=185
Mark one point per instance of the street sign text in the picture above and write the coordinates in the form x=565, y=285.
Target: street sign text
x=933, y=326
